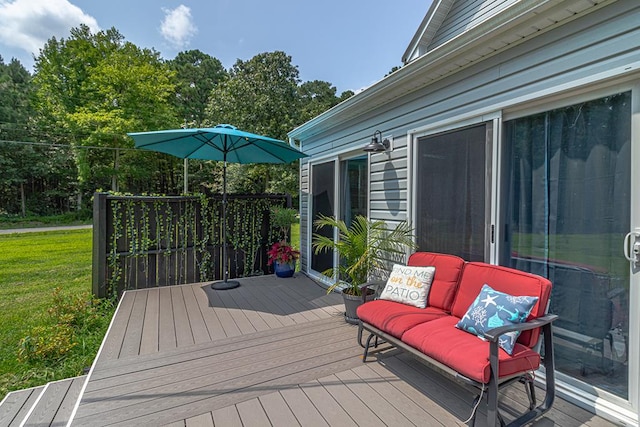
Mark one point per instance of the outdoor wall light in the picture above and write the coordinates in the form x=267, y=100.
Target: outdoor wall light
x=377, y=145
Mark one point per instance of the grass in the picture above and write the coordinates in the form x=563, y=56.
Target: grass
x=295, y=240
x=295, y=236
x=33, y=266
x=8, y=222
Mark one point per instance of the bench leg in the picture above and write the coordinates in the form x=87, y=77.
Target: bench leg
x=367, y=345
x=529, y=387
x=475, y=404
x=360, y=329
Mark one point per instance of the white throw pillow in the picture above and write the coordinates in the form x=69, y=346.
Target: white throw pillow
x=409, y=285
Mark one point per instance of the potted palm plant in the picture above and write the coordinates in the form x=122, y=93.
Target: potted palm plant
x=282, y=255
x=365, y=247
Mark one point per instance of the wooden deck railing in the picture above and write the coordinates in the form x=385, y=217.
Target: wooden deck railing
x=144, y=242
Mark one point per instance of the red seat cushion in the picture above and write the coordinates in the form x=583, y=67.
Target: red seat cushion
x=466, y=353
x=503, y=279
x=395, y=318
x=445, y=280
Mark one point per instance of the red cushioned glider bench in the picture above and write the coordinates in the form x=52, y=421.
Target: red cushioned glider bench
x=430, y=333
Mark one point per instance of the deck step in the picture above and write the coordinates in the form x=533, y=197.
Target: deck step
x=15, y=406
x=48, y=405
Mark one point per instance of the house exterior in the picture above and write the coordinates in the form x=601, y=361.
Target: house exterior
x=514, y=138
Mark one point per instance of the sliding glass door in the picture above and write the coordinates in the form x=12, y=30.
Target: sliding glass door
x=322, y=203
x=353, y=195
x=452, y=200
x=354, y=192
x=567, y=175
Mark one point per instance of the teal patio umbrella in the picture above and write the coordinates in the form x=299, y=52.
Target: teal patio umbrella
x=224, y=143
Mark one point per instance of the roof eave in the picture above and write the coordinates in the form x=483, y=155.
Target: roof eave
x=403, y=81
x=426, y=31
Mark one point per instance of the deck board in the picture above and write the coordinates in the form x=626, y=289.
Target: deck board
x=414, y=413
x=252, y=414
x=257, y=321
x=350, y=402
x=210, y=317
x=271, y=352
x=302, y=408
x=277, y=410
x=132, y=339
x=113, y=340
x=227, y=416
x=227, y=322
x=196, y=320
x=66, y=407
x=204, y=420
x=149, y=339
x=216, y=381
x=184, y=334
x=261, y=302
x=17, y=404
x=330, y=409
x=166, y=323
x=49, y=402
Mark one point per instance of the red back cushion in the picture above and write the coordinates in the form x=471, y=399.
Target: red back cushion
x=503, y=279
x=445, y=281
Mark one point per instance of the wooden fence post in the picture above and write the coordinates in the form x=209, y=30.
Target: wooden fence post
x=99, y=262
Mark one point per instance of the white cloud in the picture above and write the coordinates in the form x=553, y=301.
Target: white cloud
x=177, y=27
x=28, y=24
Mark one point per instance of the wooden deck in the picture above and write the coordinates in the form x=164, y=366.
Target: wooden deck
x=271, y=352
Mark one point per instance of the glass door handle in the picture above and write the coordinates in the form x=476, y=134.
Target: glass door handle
x=632, y=248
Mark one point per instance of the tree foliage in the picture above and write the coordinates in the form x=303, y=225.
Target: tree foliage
x=90, y=89
x=264, y=95
x=197, y=75
x=26, y=168
x=93, y=89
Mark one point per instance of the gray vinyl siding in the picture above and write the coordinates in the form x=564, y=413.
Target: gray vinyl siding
x=388, y=185
x=465, y=14
x=304, y=213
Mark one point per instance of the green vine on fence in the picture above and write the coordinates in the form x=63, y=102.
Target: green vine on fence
x=113, y=260
x=179, y=237
x=203, y=258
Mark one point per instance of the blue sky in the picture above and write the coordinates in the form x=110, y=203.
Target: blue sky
x=350, y=43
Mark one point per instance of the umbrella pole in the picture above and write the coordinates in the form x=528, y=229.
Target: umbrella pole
x=225, y=284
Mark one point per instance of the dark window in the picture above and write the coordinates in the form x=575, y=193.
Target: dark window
x=322, y=188
x=451, y=193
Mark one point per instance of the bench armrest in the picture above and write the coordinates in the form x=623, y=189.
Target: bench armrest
x=364, y=288
x=494, y=334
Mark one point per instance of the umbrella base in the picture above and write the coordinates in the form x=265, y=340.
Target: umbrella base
x=221, y=286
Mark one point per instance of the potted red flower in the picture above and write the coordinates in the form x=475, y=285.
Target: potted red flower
x=282, y=255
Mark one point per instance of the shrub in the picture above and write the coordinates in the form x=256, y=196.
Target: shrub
x=46, y=344
x=71, y=316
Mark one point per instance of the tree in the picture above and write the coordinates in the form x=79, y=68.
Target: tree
x=316, y=97
x=260, y=96
x=18, y=163
x=197, y=74
x=91, y=89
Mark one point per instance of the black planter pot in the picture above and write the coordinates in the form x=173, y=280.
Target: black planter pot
x=351, y=304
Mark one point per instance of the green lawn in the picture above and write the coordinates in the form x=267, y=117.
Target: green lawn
x=33, y=266
x=295, y=235
x=8, y=222
x=295, y=240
